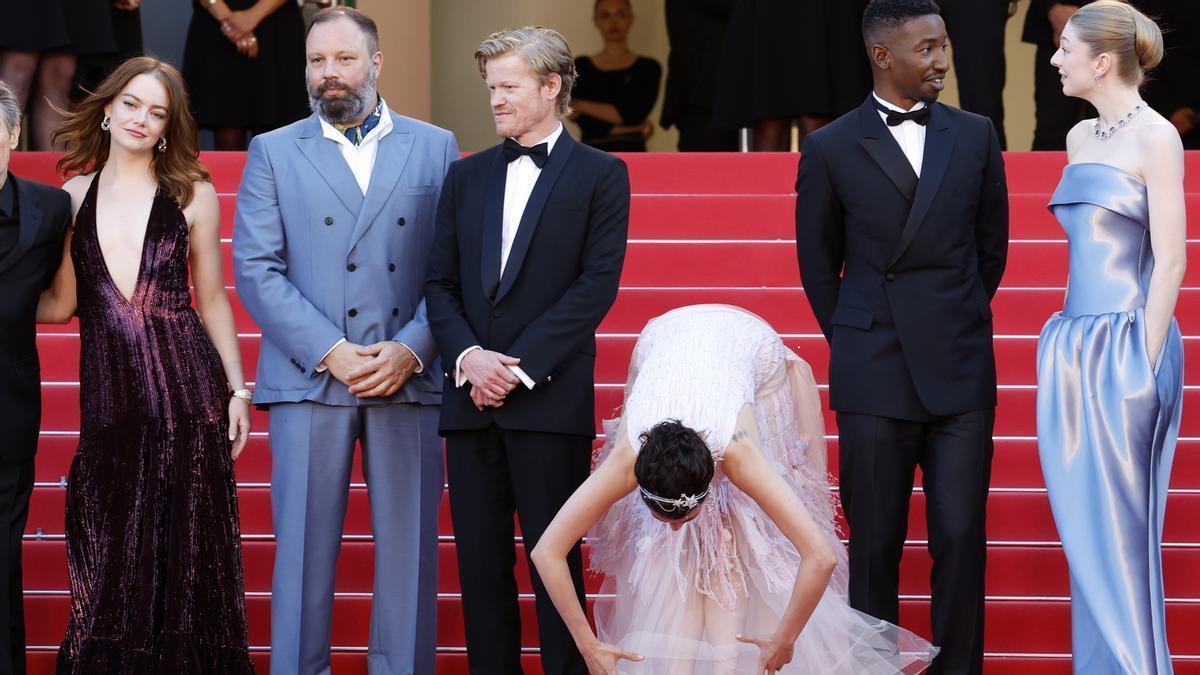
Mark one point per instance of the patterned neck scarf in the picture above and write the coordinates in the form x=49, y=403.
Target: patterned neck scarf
x=358, y=133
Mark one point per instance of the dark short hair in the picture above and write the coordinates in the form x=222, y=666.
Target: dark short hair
x=882, y=15
x=365, y=23
x=673, y=461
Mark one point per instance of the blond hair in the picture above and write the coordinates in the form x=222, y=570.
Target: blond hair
x=1118, y=28
x=544, y=49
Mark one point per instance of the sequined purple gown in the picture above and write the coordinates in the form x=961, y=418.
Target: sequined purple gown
x=153, y=545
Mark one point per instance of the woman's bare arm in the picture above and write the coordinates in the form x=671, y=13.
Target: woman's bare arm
x=748, y=469
x=611, y=481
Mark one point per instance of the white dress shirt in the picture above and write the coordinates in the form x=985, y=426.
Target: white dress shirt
x=522, y=175
x=361, y=160
x=361, y=157
x=909, y=134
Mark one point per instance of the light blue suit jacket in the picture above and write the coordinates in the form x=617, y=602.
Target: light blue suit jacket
x=315, y=260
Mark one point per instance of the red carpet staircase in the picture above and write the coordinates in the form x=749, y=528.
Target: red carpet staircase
x=703, y=229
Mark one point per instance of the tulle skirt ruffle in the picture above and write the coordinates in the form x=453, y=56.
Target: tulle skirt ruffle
x=678, y=598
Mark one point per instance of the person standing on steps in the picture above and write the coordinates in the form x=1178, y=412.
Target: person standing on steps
x=902, y=238
x=525, y=264
x=1110, y=364
x=34, y=219
x=334, y=223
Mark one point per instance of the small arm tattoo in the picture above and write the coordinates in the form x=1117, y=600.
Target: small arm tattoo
x=740, y=434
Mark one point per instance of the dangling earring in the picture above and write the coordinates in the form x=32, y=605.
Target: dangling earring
x=1096, y=79
x=162, y=144
x=106, y=124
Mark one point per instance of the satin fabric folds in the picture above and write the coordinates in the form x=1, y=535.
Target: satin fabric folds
x=1108, y=420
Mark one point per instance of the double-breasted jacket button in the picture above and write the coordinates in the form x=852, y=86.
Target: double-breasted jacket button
x=353, y=312
x=549, y=378
x=328, y=220
x=400, y=221
x=391, y=267
x=890, y=277
x=395, y=311
x=351, y=267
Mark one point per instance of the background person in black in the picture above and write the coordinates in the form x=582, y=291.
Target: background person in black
x=616, y=87
x=1174, y=88
x=976, y=29
x=695, y=30
x=33, y=222
x=902, y=236
x=525, y=263
x=1054, y=113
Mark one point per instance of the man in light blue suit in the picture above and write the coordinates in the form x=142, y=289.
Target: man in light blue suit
x=334, y=223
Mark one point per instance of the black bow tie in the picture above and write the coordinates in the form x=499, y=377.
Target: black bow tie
x=895, y=118
x=538, y=153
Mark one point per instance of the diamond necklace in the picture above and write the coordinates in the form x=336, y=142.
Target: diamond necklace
x=1121, y=123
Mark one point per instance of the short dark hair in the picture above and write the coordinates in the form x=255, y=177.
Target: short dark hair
x=673, y=461
x=365, y=23
x=881, y=15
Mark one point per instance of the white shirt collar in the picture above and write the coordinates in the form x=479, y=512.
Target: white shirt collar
x=551, y=139
x=384, y=127
x=889, y=106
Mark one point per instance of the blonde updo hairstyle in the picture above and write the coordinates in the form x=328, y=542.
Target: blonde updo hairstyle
x=1118, y=28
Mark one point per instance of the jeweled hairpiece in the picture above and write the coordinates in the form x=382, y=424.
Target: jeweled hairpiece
x=684, y=502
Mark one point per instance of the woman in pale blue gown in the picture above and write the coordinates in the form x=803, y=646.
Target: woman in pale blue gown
x=1110, y=365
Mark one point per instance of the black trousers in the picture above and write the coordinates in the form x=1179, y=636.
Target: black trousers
x=878, y=458
x=697, y=134
x=492, y=474
x=16, y=486
x=1055, y=112
x=976, y=29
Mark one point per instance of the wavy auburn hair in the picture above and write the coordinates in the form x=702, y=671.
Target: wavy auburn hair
x=176, y=170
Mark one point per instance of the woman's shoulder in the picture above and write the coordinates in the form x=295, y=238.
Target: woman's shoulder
x=647, y=63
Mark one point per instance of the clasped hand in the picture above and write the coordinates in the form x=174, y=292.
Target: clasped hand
x=774, y=654
x=378, y=369
x=490, y=377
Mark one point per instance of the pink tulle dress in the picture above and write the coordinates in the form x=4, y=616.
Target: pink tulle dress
x=678, y=598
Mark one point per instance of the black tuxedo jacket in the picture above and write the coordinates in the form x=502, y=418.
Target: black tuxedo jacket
x=561, y=279
x=899, y=271
x=27, y=270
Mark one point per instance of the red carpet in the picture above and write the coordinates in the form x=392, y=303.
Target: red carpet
x=705, y=229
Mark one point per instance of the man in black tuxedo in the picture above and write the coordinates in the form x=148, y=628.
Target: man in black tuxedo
x=525, y=263
x=901, y=231
x=33, y=222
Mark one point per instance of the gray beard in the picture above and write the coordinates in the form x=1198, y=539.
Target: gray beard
x=345, y=109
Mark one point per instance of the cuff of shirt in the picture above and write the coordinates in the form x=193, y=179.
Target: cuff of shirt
x=420, y=366
x=321, y=367
x=459, y=378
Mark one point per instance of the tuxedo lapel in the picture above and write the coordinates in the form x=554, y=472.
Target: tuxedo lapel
x=390, y=158
x=329, y=164
x=533, y=210
x=493, y=224
x=939, y=143
x=31, y=216
x=883, y=148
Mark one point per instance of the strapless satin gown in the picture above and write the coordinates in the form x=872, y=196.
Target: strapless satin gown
x=1107, y=422
x=153, y=546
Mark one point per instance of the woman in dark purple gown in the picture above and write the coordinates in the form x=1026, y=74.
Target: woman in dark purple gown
x=153, y=545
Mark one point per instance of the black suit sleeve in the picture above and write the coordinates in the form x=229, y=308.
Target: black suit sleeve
x=820, y=234
x=443, y=286
x=567, y=324
x=991, y=220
